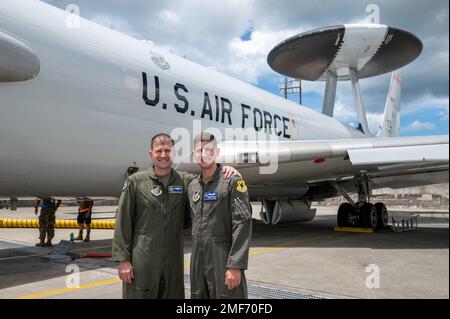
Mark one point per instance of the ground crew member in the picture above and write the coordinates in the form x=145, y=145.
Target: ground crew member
x=46, y=220
x=84, y=218
x=221, y=228
x=148, y=238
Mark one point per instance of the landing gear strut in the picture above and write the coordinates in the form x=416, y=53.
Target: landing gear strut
x=362, y=213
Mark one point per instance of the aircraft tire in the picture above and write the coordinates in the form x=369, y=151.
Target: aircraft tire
x=368, y=216
x=382, y=216
x=344, y=212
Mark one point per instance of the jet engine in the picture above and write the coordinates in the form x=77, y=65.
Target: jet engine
x=286, y=211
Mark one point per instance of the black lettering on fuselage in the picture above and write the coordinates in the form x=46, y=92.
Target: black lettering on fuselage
x=244, y=115
x=267, y=122
x=217, y=108
x=182, y=98
x=227, y=107
x=285, y=127
x=275, y=118
x=155, y=101
x=257, y=123
x=207, y=110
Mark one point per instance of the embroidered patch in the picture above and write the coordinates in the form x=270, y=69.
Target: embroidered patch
x=175, y=189
x=241, y=187
x=156, y=190
x=210, y=196
x=196, y=196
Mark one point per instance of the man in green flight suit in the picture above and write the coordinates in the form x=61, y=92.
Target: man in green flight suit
x=148, y=238
x=221, y=228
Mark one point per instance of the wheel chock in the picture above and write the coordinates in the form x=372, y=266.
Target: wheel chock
x=354, y=229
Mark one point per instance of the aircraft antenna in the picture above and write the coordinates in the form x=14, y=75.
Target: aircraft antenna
x=292, y=86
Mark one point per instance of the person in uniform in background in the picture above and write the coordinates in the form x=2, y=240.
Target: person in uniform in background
x=148, y=238
x=221, y=227
x=46, y=220
x=84, y=218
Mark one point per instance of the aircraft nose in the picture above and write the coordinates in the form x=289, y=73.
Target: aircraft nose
x=18, y=62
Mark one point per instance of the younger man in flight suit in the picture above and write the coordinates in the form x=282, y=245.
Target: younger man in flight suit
x=221, y=227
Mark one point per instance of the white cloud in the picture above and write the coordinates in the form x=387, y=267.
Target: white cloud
x=248, y=59
x=443, y=115
x=347, y=114
x=420, y=126
x=426, y=101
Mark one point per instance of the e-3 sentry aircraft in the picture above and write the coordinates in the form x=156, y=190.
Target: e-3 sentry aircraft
x=79, y=104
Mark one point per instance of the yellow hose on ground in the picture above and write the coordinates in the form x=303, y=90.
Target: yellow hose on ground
x=62, y=223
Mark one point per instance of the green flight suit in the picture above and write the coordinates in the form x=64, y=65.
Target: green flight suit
x=221, y=230
x=149, y=234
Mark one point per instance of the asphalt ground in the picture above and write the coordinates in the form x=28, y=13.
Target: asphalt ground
x=300, y=260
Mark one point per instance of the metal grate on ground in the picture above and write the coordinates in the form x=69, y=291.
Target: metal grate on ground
x=271, y=293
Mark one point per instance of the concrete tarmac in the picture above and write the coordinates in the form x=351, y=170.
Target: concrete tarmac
x=300, y=260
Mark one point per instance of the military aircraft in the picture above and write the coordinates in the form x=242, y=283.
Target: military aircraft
x=79, y=103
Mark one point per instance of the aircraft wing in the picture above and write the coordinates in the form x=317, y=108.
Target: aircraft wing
x=389, y=162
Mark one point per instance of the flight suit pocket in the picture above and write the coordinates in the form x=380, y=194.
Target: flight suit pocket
x=242, y=211
x=176, y=200
x=149, y=198
x=211, y=207
x=195, y=208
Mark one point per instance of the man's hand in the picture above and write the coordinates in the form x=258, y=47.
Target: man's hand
x=232, y=278
x=126, y=272
x=229, y=172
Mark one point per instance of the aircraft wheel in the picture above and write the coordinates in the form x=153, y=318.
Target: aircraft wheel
x=345, y=211
x=368, y=216
x=383, y=216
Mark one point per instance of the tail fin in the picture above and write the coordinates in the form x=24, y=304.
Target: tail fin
x=391, y=121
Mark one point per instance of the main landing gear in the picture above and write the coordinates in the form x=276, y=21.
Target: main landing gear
x=362, y=213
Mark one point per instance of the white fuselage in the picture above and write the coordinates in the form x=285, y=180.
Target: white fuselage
x=75, y=128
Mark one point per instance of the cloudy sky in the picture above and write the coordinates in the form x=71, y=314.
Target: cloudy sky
x=235, y=36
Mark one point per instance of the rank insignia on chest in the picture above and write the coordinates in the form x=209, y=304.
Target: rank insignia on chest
x=156, y=190
x=196, y=196
x=241, y=187
x=210, y=196
x=175, y=189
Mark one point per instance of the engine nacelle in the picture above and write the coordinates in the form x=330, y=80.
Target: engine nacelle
x=286, y=211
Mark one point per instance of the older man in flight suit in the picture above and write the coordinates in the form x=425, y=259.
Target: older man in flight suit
x=221, y=228
x=148, y=239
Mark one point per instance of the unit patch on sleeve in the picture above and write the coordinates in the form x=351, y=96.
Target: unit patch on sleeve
x=241, y=187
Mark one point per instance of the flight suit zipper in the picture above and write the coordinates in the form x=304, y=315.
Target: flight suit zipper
x=201, y=214
x=163, y=257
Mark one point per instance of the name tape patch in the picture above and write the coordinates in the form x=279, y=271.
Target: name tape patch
x=175, y=189
x=210, y=196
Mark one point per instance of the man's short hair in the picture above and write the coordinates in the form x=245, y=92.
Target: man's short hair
x=161, y=135
x=205, y=137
